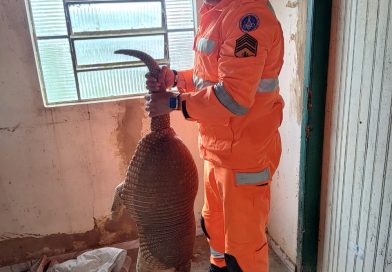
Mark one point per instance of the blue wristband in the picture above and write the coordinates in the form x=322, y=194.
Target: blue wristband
x=174, y=102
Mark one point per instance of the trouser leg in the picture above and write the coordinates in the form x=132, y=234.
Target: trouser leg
x=212, y=220
x=245, y=209
x=234, y=219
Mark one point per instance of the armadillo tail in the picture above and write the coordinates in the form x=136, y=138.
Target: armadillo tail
x=158, y=122
x=151, y=64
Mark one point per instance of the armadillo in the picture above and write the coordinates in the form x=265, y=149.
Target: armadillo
x=159, y=192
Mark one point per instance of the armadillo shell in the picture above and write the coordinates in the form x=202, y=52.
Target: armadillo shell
x=159, y=192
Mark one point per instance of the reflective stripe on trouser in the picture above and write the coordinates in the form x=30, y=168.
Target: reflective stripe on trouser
x=216, y=254
x=235, y=216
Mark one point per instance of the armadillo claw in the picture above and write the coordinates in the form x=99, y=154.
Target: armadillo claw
x=117, y=200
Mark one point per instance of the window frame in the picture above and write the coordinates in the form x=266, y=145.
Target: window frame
x=75, y=36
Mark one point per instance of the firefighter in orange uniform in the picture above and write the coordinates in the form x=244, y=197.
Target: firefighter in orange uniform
x=233, y=94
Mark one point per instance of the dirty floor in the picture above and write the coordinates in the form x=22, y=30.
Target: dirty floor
x=200, y=260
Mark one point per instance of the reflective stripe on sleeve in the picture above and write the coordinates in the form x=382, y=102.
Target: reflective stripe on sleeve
x=227, y=101
x=253, y=178
x=265, y=85
x=216, y=254
x=200, y=83
x=205, y=45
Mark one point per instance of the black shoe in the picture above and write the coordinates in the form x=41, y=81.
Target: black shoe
x=214, y=268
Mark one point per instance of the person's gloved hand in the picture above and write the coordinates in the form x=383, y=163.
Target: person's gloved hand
x=166, y=77
x=158, y=103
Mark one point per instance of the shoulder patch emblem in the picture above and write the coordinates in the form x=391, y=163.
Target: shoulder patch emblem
x=249, y=22
x=245, y=46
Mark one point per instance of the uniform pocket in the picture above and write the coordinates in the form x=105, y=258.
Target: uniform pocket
x=261, y=202
x=216, y=137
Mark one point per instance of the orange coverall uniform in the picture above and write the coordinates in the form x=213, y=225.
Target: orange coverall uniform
x=233, y=94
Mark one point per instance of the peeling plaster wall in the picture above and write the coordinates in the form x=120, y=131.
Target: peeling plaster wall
x=284, y=198
x=59, y=166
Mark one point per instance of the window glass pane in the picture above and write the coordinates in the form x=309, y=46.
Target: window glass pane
x=179, y=14
x=48, y=17
x=115, y=82
x=99, y=51
x=58, y=74
x=59, y=81
x=180, y=48
x=115, y=16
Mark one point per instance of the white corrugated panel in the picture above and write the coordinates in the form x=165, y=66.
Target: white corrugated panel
x=358, y=167
x=179, y=14
x=57, y=71
x=114, y=16
x=180, y=48
x=100, y=51
x=48, y=17
x=112, y=82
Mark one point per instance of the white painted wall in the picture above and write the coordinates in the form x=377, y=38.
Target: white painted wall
x=58, y=167
x=284, y=201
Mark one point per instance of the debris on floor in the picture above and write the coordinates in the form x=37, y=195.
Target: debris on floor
x=106, y=259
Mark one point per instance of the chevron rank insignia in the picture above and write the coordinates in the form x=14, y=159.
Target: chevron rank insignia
x=245, y=46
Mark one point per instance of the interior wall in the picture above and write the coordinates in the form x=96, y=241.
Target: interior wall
x=59, y=166
x=284, y=197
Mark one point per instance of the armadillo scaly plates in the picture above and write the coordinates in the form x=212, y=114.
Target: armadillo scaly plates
x=159, y=192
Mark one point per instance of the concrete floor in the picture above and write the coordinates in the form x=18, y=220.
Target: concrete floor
x=200, y=261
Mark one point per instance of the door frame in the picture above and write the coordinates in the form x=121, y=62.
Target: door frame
x=314, y=98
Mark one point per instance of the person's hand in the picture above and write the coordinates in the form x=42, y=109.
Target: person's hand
x=166, y=77
x=158, y=103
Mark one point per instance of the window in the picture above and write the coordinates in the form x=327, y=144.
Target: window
x=75, y=41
